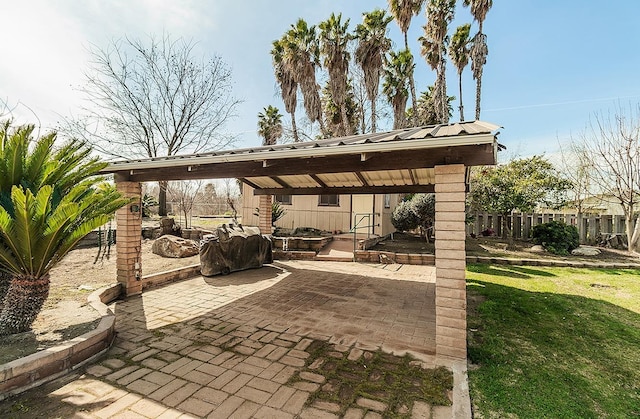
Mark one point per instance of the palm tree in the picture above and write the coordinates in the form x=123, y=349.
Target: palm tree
x=334, y=42
x=479, y=49
x=49, y=200
x=286, y=81
x=270, y=125
x=434, y=49
x=373, y=44
x=426, y=113
x=459, y=52
x=403, y=11
x=302, y=53
x=397, y=73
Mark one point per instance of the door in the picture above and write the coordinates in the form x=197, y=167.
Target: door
x=362, y=217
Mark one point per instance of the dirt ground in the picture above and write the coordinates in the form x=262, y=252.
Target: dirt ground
x=66, y=313
x=497, y=247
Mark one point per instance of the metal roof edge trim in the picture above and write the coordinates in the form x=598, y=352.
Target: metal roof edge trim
x=413, y=144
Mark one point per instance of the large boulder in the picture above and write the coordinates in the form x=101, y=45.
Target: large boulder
x=169, y=246
x=586, y=251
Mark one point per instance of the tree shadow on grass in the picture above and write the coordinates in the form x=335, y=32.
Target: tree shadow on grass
x=551, y=355
x=509, y=271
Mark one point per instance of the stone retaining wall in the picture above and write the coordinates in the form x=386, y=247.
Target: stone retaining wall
x=46, y=365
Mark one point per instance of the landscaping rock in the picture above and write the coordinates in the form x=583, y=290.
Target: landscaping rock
x=169, y=246
x=537, y=249
x=586, y=251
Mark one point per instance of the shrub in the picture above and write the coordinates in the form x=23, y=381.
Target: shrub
x=403, y=217
x=418, y=211
x=556, y=237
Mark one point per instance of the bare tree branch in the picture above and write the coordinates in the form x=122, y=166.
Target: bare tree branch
x=610, y=147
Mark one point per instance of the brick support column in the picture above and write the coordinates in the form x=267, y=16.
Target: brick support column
x=451, y=293
x=129, y=233
x=265, y=214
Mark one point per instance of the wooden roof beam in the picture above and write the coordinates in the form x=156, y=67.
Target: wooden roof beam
x=347, y=190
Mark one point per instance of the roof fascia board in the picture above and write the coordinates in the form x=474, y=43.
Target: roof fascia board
x=387, y=146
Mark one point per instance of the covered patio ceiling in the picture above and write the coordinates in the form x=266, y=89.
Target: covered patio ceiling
x=399, y=161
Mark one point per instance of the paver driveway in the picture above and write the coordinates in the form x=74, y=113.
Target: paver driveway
x=227, y=346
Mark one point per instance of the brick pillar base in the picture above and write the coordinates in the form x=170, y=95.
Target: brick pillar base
x=129, y=233
x=451, y=294
x=265, y=214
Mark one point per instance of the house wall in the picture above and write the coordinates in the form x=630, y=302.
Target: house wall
x=304, y=211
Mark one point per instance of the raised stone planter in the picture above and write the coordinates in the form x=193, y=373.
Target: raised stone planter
x=47, y=365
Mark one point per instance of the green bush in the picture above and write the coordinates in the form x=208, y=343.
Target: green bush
x=556, y=237
x=417, y=211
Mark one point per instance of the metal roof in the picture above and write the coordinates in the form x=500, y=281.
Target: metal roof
x=401, y=160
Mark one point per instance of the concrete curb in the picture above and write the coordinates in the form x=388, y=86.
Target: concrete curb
x=47, y=365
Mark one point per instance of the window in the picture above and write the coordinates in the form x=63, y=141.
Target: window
x=283, y=199
x=329, y=200
x=387, y=200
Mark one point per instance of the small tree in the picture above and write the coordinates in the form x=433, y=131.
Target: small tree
x=153, y=99
x=521, y=184
x=185, y=194
x=610, y=148
x=418, y=211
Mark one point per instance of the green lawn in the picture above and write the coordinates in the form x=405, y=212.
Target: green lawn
x=554, y=342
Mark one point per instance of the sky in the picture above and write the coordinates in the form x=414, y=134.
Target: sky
x=552, y=65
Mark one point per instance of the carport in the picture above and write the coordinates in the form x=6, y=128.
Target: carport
x=422, y=159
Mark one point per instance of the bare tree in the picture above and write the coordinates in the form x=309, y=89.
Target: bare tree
x=185, y=194
x=151, y=99
x=610, y=147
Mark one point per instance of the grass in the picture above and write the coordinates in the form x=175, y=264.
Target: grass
x=554, y=342
x=393, y=380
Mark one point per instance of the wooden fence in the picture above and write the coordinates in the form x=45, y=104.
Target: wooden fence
x=590, y=226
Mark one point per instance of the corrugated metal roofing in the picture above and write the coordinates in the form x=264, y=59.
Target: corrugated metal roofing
x=400, y=159
x=401, y=137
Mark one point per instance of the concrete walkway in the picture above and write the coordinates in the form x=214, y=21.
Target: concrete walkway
x=228, y=346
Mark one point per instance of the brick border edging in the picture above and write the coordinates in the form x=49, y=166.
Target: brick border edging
x=177, y=274
x=374, y=256
x=47, y=365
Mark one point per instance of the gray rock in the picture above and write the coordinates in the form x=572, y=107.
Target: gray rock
x=586, y=251
x=169, y=246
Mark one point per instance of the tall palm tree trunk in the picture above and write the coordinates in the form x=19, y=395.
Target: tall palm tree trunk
x=24, y=300
x=461, y=107
x=323, y=129
x=478, y=93
x=373, y=115
x=162, y=198
x=294, y=128
x=346, y=126
x=412, y=86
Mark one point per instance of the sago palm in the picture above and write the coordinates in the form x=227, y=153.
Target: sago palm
x=54, y=201
x=373, y=44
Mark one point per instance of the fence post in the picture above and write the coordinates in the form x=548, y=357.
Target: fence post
x=517, y=226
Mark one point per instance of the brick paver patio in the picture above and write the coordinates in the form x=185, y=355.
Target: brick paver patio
x=228, y=346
